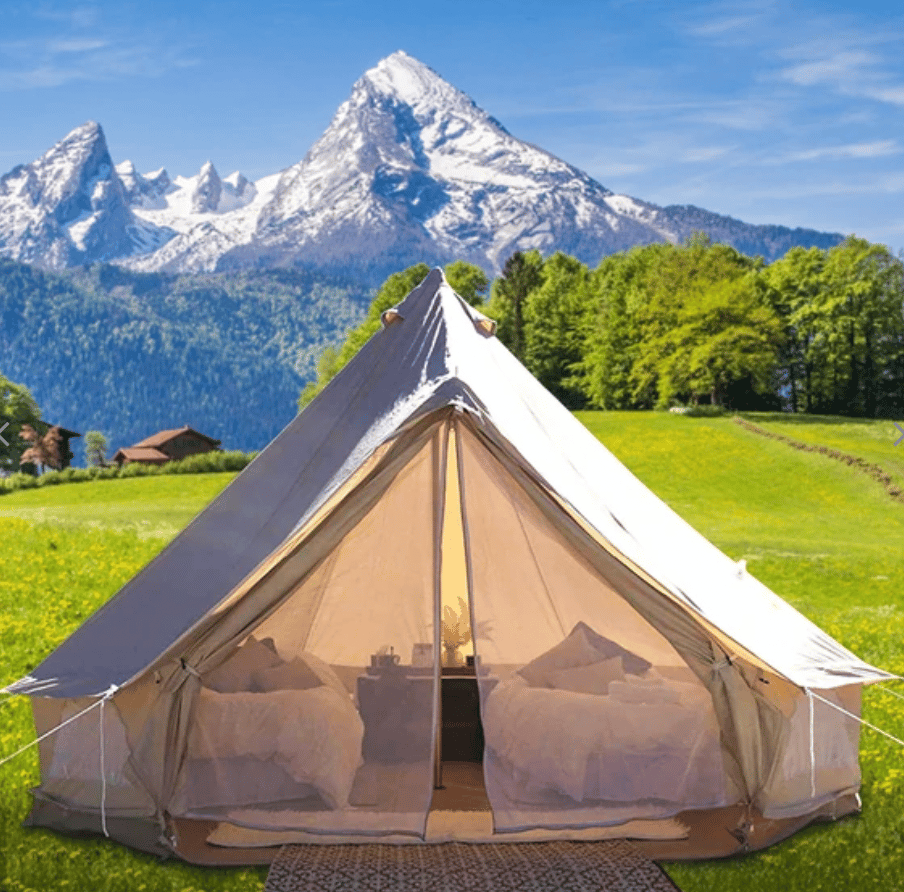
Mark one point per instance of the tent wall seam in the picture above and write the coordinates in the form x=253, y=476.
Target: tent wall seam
x=441, y=452
x=469, y=576
x=539, y=569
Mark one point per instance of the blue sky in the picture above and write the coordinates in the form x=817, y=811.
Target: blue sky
x=744, y=108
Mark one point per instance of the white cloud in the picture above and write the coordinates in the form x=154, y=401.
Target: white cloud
x=79, y=46
x=603, y=170
x=887, y=184
x=837, y=69
x=876, y=149
x=705, y=154
x=76, y=45
x=851, y=63
x=729, y=22
x=892, y=95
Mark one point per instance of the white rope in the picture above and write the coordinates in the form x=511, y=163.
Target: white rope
x=812, y=746
x=7, y=699
x=101, y=697
x=48, y=733
x=857, y=718
x=890, y=691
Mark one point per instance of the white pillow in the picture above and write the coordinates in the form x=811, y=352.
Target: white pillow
x=235, y=674
x=575, y=650
x=592, y=679
x=293, y=676
x=324, y=672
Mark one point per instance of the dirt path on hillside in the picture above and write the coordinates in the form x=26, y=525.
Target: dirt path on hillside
x=872, y=470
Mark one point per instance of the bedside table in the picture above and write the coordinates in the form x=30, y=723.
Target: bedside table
x=396, y=706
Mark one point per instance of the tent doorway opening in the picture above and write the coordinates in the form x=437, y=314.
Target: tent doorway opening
x=458, y=776
x=460, y=616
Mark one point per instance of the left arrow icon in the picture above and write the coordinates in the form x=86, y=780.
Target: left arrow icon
x=5, y=426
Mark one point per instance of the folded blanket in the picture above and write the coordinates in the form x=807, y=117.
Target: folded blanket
x=314, y=734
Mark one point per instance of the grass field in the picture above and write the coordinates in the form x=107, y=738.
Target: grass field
x=821, y=534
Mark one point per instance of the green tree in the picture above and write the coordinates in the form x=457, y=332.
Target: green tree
x=793, y=286
x=521, y=275
x=725, y=337
x=675, y=284
x=96, y=449
x=17, y=409
x=864, y=286
x=557, y=315
x=619, y=288
x=468, y=280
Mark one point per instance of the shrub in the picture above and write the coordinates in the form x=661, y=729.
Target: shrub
x=204, y=463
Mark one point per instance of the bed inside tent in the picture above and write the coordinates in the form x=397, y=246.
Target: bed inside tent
x=278, y=672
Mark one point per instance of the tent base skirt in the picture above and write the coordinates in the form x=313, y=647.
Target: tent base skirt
x=141, y=833
x=709, y=836
x=710, y=833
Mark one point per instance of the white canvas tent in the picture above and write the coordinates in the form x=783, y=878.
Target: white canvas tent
x=627, y=668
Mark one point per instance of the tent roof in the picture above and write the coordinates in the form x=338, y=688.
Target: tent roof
x=434, y=351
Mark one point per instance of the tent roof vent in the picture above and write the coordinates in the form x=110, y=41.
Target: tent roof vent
x=390, y=317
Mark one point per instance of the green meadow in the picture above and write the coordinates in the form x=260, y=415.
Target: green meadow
x=821, y=534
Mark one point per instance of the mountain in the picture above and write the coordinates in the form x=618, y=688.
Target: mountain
x=70, y=207
x=410, y=169
x=126, y=353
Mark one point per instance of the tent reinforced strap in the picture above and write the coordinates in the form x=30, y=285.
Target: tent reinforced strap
x=857, y=718
x=103, y=772
x=812, y=745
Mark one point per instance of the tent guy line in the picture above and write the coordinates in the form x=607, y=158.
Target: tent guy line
x=890, y=691
x=862, y=721
x=99, y=702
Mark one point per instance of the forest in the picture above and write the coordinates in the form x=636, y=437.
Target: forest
x=818, y=331
x=699, y=324
x=128, y=354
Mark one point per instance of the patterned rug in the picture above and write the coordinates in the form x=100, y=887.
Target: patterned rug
x=608, y=866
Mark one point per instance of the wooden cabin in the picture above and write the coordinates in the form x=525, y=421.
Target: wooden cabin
x=165, y=446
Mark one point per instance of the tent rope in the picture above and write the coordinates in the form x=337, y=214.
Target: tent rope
x=857, y=718
x=101, y=697
x=890, y=691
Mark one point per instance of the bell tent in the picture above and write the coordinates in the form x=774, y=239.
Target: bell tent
x=278, y=666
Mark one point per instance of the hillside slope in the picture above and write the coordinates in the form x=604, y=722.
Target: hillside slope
x=129, y=353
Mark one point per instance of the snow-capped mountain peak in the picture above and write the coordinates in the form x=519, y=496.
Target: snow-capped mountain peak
x=409, y=169
x=207, y=190
x=406, y=80
x=144, y=190
x=70, y=207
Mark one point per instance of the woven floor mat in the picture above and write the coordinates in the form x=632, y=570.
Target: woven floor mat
x=608, y=866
